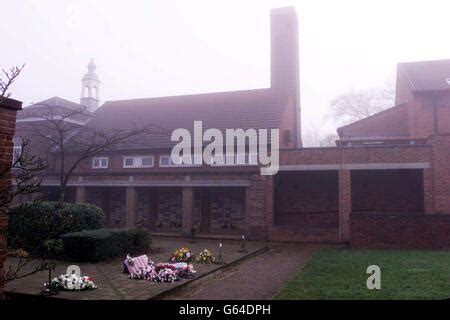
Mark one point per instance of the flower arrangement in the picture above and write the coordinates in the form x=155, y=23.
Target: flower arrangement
x=72, y=282
x=182, y=255
x=156, y=273
x=206, y=256
x=159, y=272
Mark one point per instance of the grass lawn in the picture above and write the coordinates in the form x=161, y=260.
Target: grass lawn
x=341, y=274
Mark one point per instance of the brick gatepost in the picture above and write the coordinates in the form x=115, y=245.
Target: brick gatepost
x=8, y=109
x=345, y=204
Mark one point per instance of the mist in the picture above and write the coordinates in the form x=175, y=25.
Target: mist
x=163, y=48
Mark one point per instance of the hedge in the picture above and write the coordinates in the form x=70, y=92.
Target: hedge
x=103, y=244
x=31, y=224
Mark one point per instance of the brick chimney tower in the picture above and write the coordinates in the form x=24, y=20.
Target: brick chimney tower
x=285, y=56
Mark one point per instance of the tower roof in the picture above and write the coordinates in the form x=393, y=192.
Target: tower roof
x=91, y=75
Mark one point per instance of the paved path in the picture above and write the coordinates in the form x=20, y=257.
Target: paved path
x=114, y=285
x=259, y=277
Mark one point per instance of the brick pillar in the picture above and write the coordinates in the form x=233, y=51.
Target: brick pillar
x=80, y=196
x=188, y=208
x=130, y=207
x=269, y=203
x=441, y=173
x=246, y=217
x=345, y=204
x=428, y=190
x=8, y=109
x=258, y=207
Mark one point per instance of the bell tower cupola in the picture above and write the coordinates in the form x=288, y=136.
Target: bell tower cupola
x=90, y=87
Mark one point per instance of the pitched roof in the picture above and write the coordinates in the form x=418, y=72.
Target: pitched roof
x=427, y=75
x=56, y=106
x=392, y=122
x=260, y=108
x=57, y=102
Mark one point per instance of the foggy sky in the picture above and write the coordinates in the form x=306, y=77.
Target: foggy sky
x=160, y=48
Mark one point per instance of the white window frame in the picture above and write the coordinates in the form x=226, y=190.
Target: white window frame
x=100, y=166
x=137, y=162
x=165, y=165
x=173, y=165
x=237, y=157
x=147, y=165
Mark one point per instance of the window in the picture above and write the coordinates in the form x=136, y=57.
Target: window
x=17, y=149
x=129, y=162
x=237, y=159
x=147, y=162
x=166, y=161
x=100, y=163
x=138, y=162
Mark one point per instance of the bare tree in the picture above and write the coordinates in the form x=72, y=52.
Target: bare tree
x=25, y=166
x=311, y=135
x=24, y=174
x=358, y=104
x=6, y=82
x=314, y=136
x=329, y=140
x=73, y=143
x=19, y=269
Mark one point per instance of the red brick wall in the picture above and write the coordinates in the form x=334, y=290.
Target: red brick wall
x=289, y=124
x=400, y=231
x=333, y=155
x=8, y=108
x=310, y=220
x=443, y=113
x=429, y=113
x=441, y=173
x=297, y=234
x=259, y=207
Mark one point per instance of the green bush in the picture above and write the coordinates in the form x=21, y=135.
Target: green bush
x=141, y=240
x=53, y=248
x=33, y=223
x=103, y=244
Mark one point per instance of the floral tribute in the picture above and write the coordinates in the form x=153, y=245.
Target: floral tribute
x=182, y=255
x=206, y=256
x=72, y=282
x=143, y=268
x=160, y=272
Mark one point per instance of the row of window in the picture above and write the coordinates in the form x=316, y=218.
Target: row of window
x=166, y=161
